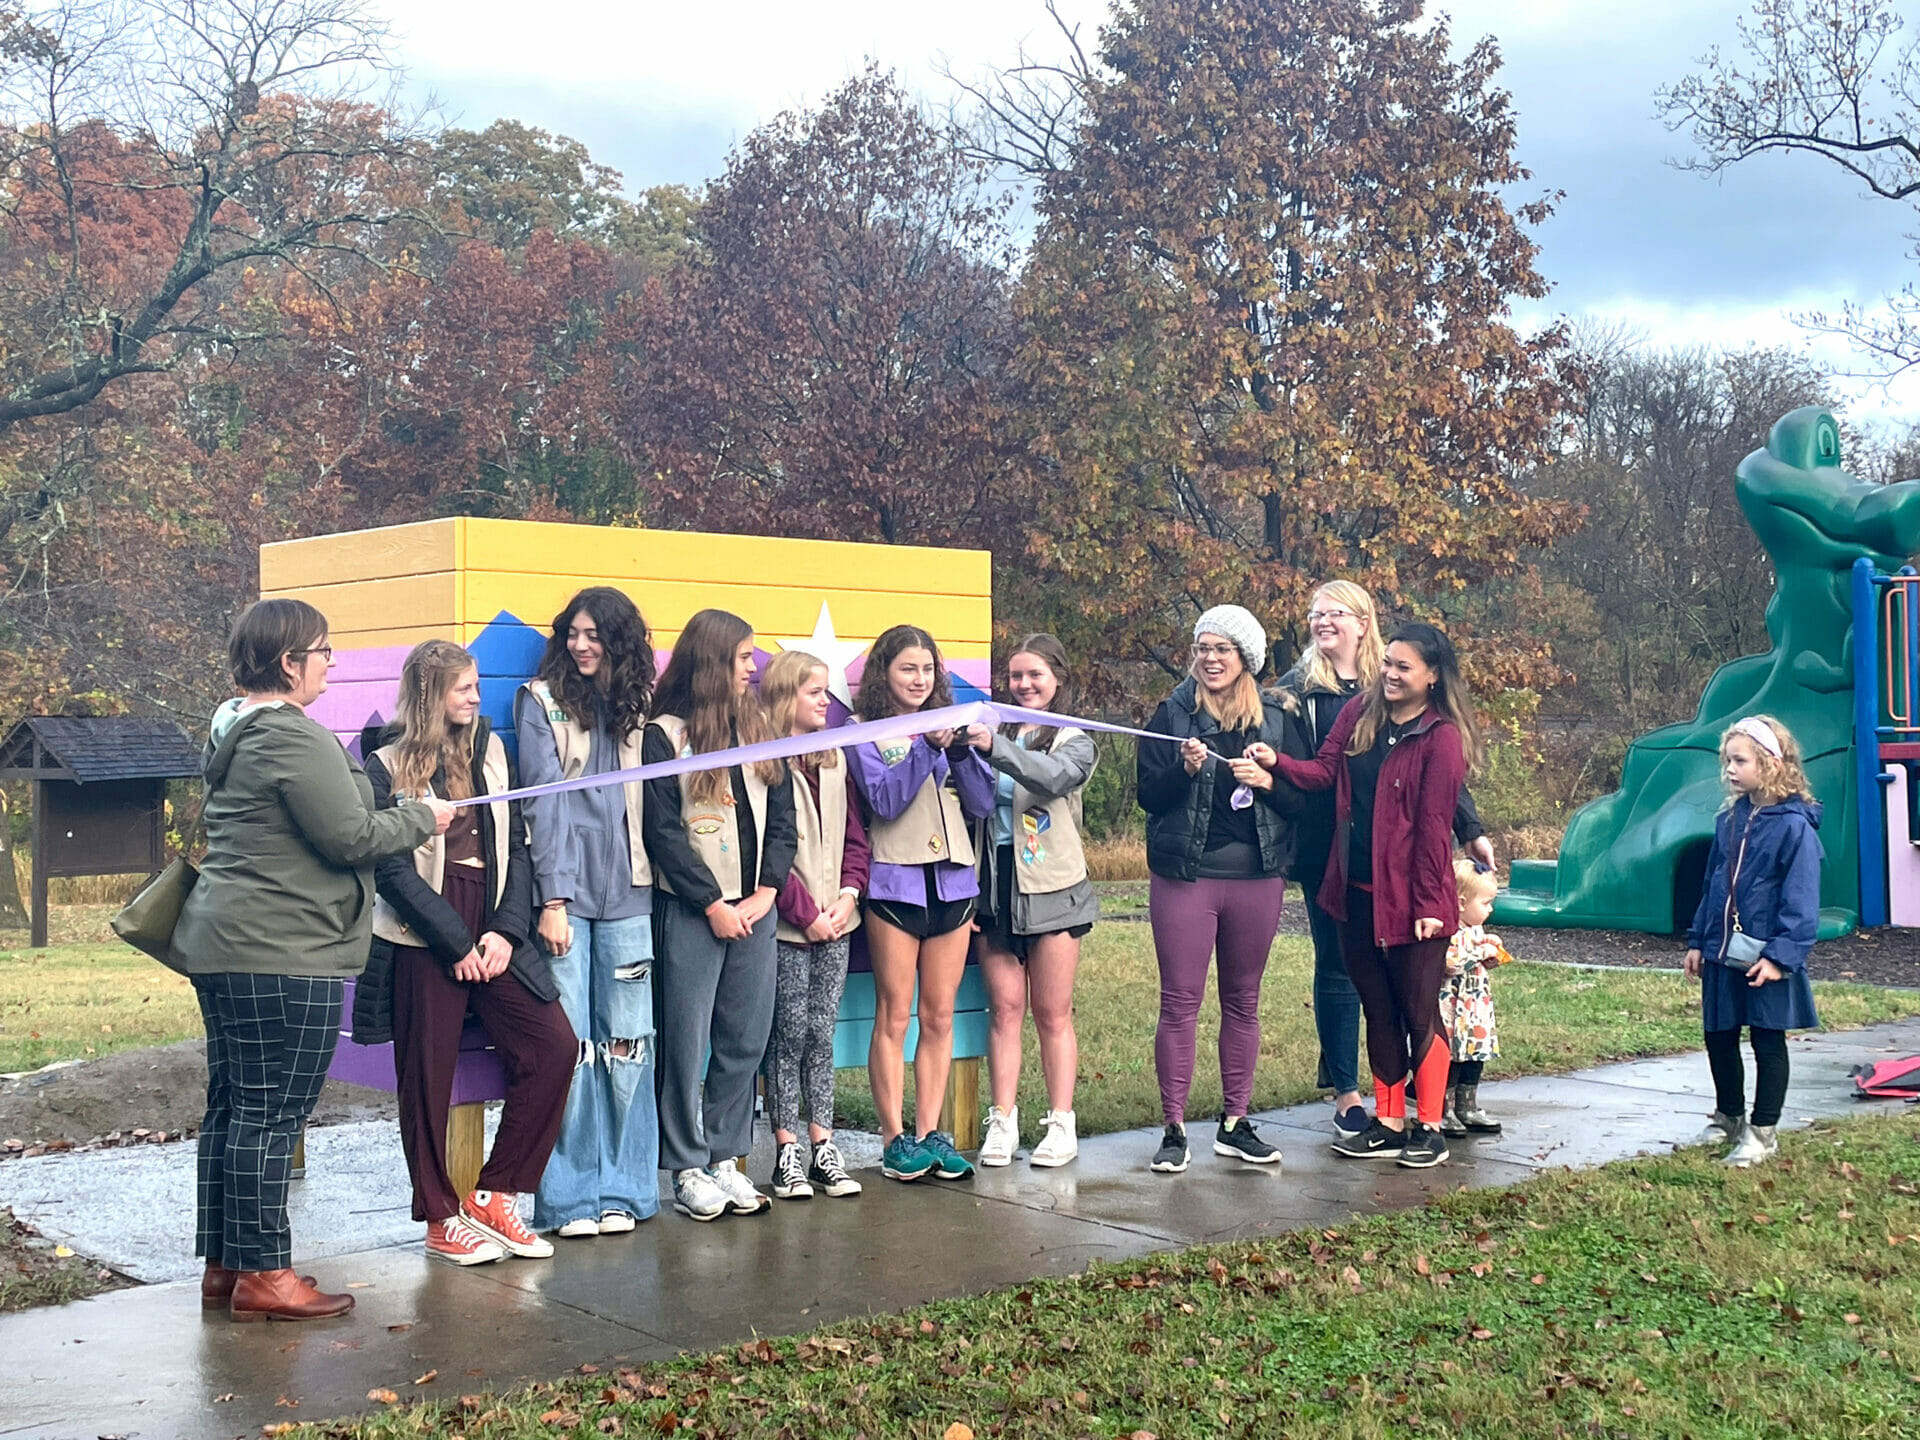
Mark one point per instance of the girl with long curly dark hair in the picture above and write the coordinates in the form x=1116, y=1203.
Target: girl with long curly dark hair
x=583, y=714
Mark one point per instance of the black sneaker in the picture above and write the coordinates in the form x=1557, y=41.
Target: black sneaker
x=1425, y=1147
x=1376, y=1142
x=1242, y=1143
x=1171, y=1158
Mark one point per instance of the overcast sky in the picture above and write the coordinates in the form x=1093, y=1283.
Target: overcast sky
x=662, y=92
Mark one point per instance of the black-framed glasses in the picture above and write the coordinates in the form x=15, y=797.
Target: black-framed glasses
x=326, y=650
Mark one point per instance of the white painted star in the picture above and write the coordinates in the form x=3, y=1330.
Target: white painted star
x=835, y=651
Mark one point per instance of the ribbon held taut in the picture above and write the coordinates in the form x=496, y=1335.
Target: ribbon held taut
x=897, y=727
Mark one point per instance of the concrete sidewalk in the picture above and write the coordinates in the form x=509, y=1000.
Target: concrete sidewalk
x=145, y=1363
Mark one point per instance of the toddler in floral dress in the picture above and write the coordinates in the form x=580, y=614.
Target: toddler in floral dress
x=1466, y=1002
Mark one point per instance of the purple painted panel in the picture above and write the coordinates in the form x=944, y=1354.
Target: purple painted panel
x=479, y=1074
x=380, y=662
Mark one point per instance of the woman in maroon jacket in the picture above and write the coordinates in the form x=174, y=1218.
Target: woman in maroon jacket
x=1396, y=757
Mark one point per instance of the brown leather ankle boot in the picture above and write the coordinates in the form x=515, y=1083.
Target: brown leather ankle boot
x=282, y=1295
x=216, y=1285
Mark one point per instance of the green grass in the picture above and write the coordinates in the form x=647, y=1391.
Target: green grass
x=1551, y=1019
x=88, y=994
x=1651, y=1298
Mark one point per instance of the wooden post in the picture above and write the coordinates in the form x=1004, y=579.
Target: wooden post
x=466, y=1145
x=300, y=1154
x=963, y=1103
x=39, y=902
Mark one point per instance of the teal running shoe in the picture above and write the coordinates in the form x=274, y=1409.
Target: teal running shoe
x=905, y=1159
x=948, y=1163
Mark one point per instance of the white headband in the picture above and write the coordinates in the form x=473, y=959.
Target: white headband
x=1761, y=733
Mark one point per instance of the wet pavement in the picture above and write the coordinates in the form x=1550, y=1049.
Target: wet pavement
x=145, y=1362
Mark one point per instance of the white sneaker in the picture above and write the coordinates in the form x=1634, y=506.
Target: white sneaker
x=1061, y=1142
x=696, y=1196
x=579, y=1229
x=1754, y=1144
x=732, y=1182
x=615, y=1222
x=1720, y=1129
x=1003, y=1136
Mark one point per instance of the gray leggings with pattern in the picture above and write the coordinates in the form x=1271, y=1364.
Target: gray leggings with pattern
x=806, y=1004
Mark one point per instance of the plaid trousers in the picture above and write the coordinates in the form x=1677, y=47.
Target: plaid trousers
x=270, y=1039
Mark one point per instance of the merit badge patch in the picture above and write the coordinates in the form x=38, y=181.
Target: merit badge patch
x=705, y=824
x=1033, y=825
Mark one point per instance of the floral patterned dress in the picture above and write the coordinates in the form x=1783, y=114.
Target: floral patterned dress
x=1466, y=1000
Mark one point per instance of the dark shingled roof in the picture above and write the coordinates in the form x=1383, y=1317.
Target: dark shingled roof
x=107, y=747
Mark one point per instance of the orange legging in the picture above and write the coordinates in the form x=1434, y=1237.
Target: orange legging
x=1400, y=996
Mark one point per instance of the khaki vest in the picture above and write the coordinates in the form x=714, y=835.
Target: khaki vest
x=933, y=827
x=430, y=859
x=713, y=829
x=1047, y=853
x=823, y=842
x=574, y=742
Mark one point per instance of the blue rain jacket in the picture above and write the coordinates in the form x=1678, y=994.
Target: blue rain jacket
x=1775, y=897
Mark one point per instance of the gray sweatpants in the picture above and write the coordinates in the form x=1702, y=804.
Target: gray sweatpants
x=800, y=1052
x=710, y=996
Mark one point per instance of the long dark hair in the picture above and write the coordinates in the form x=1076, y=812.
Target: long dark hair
x=1049, y=649
x=698, y=687
x=875, y=700
x=626, y=666
x=1449, y=696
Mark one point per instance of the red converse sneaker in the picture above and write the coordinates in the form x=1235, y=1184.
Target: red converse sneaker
x=458, y=1243
x=494, y=1215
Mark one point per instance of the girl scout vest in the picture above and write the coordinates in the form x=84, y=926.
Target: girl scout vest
x=1047, y=854
x=430, y=859
x=713, y=826
x=932, y=828
x=823, y=842
x=575, y=745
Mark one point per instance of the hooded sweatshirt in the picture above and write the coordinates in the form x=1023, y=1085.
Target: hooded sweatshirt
x=286, y=887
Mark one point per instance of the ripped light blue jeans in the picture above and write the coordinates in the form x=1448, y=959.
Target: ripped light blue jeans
x=608, y=1155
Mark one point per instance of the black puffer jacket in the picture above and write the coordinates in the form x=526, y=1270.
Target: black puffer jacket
x=1180, y=806
x=431, y=918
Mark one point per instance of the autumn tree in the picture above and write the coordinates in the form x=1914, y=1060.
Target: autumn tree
x=1834, y=79
x=1266, y=336
x=829, y=361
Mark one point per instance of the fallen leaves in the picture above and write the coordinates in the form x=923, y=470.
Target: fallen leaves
x=380, y=1395
x=426, y=1379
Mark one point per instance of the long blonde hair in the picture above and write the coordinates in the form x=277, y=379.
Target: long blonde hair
x=779, y=689
x=1240, y=710
x=1781, y=778
x=1320, y=674
x=427, y=743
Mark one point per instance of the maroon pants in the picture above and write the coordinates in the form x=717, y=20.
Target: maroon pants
x=1399, y=995
x=531, y=1036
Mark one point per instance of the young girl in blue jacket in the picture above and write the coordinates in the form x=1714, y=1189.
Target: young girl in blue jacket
x=1756, y=922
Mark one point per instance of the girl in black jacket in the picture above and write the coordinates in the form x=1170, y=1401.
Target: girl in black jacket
x=453, y=928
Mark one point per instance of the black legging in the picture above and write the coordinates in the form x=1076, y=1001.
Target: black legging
x=1730, y=1076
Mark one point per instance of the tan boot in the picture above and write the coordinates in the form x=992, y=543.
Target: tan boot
x=216, y=1285
x=282, y=1295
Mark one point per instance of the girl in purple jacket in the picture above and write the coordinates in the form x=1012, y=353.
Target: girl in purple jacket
x=925, y=798
x=1757, y=920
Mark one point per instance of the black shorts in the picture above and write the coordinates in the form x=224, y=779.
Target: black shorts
x=996, y=922
x=923, y=922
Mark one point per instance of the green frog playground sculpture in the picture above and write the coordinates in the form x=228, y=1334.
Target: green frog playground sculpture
x=1635, y=859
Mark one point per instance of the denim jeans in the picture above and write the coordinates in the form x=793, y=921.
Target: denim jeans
x=608, y=1154
x=1336, y=1005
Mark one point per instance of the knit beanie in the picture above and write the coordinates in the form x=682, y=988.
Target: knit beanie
x=1236, y=623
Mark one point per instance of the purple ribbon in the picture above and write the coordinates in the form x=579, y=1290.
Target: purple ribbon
x=897, y=727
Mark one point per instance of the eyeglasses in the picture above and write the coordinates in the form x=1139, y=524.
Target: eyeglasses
x=326, y=650
x=1210, y=652
x=1314, y=617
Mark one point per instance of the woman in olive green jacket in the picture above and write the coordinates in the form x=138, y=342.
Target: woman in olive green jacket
x=282, y=911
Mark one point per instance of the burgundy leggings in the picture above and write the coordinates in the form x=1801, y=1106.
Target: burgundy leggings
x=1189, y=917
